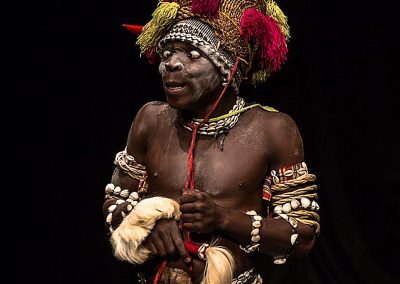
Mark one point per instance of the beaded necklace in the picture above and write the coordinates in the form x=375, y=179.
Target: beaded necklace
x=221, y=125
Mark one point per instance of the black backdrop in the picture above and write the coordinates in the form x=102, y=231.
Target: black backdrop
x=73, y=82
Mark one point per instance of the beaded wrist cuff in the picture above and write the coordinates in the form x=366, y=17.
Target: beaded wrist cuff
x=255, y=232
x=293, y=238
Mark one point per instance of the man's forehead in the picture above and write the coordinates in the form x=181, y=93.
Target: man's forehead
x=180, y=45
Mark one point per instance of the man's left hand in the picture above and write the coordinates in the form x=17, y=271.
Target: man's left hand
x=200, y=214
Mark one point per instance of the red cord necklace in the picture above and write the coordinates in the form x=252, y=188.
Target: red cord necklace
x=189, y=185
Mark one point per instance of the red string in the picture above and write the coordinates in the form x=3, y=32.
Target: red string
x=190, y=169
x=189, y=184
x=160, y=271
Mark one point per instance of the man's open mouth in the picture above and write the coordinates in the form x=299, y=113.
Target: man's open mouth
x=174, y=85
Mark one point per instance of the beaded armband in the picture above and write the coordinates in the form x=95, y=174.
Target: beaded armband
x=128, y=165
x=255, y=232
x=122, y=197
x=294, y=200
x=126, y=198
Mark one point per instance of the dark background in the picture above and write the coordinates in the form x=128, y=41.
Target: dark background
x=73, y=81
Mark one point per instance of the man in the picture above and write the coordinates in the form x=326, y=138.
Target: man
x=207, y=181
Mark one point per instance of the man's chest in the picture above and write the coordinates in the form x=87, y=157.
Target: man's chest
x=233, y=173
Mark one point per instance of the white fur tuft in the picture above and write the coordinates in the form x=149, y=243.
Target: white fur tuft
x=219, y=266
x=137, y=225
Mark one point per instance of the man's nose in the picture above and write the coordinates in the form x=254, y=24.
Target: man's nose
x=174, y=64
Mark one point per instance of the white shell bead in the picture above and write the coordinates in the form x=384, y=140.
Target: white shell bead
x=124, y=193
x=286, y=208
x=123, y=214
x=119, y=201
x=256, y=224
x=134, y=203
x=134, y=195
x=129, y=207
x=313, y=206
x=294, y=203
x=117, y=190
x=302, y=171
x=255, y=232
x=201, y=255
x=111, y=229
x=288, y=173
x=112, y=208
x=284, y=216
x=251, y=213
x=129, y=200
x=280, y=261
x=109, y=218
x=305, y=202
x=293, y=238
x=278, y=209
x=255, y=238
x=293, y=222
x=109, y=188
x=257, y=218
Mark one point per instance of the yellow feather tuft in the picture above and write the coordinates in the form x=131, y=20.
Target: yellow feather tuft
x=163, y=18
x=260, y=76
x=276, y=13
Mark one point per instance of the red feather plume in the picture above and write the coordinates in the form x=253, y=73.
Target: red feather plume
x=265, y=32
x=207, y=8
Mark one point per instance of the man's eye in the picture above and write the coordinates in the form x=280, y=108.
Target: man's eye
x=194, y=54
x=166, y=53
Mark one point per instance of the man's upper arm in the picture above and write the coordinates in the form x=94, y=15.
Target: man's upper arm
x=140, y=130
x=286, y=142
x=128, y=182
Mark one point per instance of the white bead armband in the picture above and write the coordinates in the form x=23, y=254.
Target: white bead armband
x=255, y=232
x=293, y=238
x=116, y=192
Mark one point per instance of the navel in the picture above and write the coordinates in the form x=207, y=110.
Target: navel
x=242, y=185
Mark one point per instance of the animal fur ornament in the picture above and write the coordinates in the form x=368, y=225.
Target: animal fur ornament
x=127, y=239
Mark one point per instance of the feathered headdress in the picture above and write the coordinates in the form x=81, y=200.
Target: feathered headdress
x=255, y=31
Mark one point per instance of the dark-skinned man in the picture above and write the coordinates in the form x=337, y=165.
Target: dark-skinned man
x=206, y=180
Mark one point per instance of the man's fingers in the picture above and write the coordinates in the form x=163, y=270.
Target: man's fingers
x=188, y=197
x=152, y=248
x=159, y=246
x=189, y=208
x=189, y=217
x=180, y=246
x=169, y=244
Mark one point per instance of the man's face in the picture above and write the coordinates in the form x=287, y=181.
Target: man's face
x=190, y=80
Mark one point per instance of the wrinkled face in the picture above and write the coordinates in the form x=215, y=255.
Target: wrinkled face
x=190, y=80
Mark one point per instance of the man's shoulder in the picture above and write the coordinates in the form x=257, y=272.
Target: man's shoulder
x=154, y=111
x=271, y=121
x=153, y=107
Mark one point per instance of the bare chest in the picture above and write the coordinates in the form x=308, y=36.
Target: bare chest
x=233, y=176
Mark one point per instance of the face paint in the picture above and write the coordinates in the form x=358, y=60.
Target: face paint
x=190, y=80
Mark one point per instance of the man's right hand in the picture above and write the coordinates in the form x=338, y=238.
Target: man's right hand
x=166, y=240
